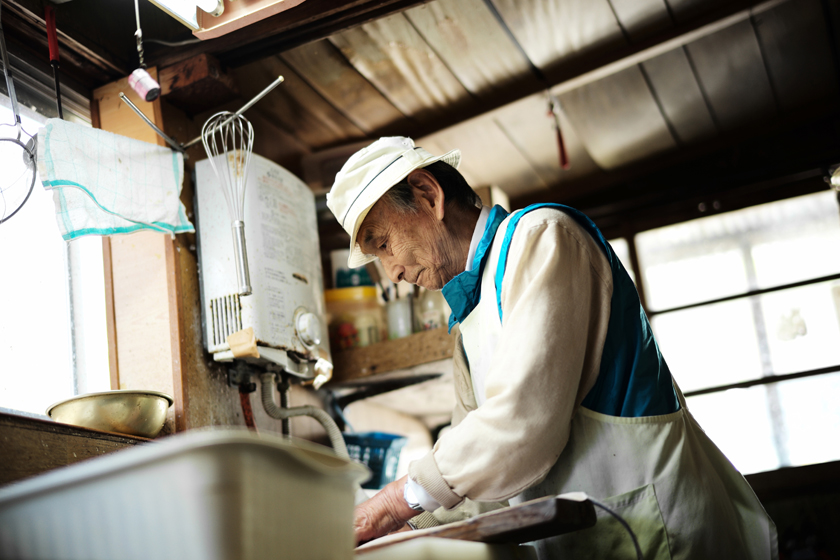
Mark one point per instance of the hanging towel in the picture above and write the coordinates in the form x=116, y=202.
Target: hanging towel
x=106, y=184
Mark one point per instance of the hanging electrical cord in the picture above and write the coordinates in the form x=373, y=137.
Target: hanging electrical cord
x=623, y=524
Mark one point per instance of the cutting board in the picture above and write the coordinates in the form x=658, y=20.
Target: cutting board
x=530, y=521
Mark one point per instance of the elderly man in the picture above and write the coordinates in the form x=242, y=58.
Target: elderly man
x=560, y=384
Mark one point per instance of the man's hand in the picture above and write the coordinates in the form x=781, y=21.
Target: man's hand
x=386, y=512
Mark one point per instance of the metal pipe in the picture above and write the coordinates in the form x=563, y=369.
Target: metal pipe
x=240, y=255
x=175, y=145
x=271, y=408
x=244, y=108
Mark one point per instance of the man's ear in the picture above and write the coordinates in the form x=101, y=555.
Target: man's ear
x=427, y=191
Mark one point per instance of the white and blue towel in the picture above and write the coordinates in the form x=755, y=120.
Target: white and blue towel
x=107, y=184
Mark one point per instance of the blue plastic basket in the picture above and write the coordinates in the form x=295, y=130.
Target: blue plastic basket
x=379, y=451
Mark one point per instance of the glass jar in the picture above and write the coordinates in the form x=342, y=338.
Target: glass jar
x=354, y=317
x=431, y=311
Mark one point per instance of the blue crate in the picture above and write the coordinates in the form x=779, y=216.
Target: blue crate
x=380, y=452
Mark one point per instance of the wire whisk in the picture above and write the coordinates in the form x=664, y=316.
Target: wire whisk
x=228, y=139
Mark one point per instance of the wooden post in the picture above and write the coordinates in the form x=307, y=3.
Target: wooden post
x=137, y=280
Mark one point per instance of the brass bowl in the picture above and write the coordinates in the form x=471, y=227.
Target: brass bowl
x=135, y=413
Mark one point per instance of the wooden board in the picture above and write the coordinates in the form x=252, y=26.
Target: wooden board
x=488, y=155
x=30, y=446
x=732, y=76
x=795, y=46
x=641, y=19
x=617, y=119
x=672, y=79
x=555, y=31
x=295, y=105
x=137, y=283
x=197, y=84
x=382, y=357
x=393, y=56
x=529, y=126
x=331, y=75
x=527, y=522
x=472, y=44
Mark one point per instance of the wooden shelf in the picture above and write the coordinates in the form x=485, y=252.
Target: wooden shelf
x=401, y=353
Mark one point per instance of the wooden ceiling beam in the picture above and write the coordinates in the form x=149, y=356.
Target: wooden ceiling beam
x=310, y=21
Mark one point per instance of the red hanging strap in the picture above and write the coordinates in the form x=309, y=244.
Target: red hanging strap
x=52, y=36
x=561, y=146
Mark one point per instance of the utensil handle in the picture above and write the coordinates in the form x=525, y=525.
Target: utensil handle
x=240, y=255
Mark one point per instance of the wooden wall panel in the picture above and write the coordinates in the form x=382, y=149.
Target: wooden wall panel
x=302, y=110
x=679, y=95
x=328, y=72
x=393, y=56
x=617, y=119
x=554, y=31
x=795, y=45
x=732, y=75
x=472, y=44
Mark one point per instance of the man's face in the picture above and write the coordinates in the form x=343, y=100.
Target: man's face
x=413, y=246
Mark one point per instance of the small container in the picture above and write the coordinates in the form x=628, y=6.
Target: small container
x=378, y=451
x=145, y=86
x=354, y=317
x=399, y=317
x=344, y=277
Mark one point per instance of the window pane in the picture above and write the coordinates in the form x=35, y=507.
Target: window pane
x=711, y=345
x=740, y=424
x=803, y=327
x=762, y=428
x=759, y=247
x=34, y=321
x=622, y=250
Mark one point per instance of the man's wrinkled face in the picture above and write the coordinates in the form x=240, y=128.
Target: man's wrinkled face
x=413, y=246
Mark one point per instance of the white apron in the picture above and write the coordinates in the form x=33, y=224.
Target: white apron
x=677, y=491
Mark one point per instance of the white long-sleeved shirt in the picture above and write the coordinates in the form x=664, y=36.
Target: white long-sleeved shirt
x=556, y=300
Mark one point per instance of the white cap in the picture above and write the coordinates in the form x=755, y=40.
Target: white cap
x=370, y=173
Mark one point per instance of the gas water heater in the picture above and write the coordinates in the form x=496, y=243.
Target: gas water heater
x=286, y=306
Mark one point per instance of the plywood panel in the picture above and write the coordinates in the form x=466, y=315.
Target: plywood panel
x=617, y=119
x=529, y=126
x=393, y=56
x=472, y=43
x=679, y=95
x=642, y=18
x=488, y=156
x=732, y=75
x=302, y=110
x=797, y=51
x=552, y=31
x=327, y=71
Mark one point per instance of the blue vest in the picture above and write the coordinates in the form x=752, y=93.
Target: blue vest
x=634, y=379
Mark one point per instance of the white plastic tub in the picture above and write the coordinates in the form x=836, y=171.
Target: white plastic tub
x=220, y=495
